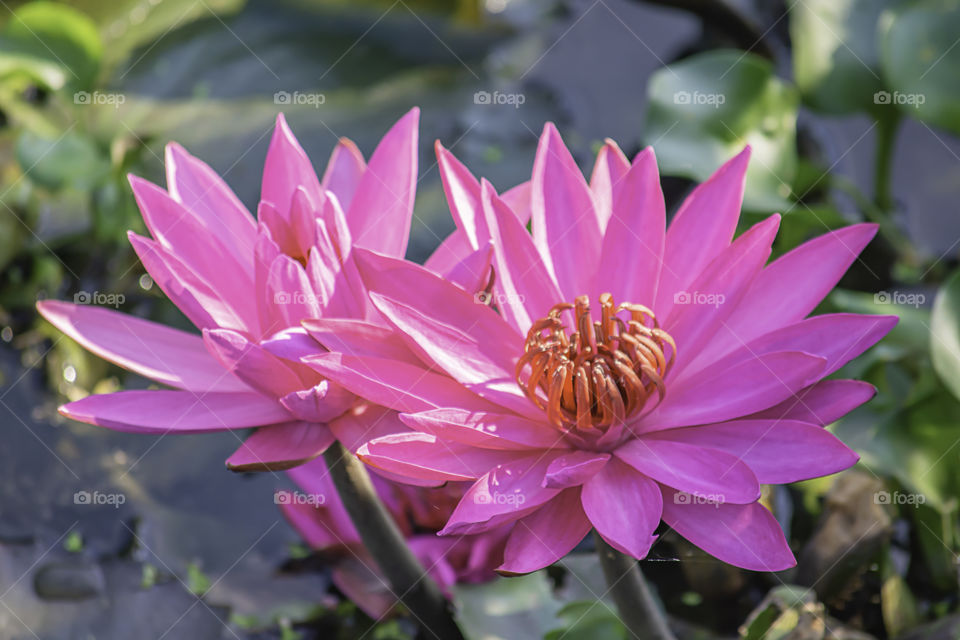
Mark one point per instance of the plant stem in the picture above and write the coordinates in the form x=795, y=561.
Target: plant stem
x=639, y=612
x=887, y=127
x=384, y=542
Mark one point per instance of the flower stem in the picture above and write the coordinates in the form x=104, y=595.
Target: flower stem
x=639, y=612
x=887, y=127
x=383, y=540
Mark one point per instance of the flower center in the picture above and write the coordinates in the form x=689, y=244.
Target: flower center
x=602, y=373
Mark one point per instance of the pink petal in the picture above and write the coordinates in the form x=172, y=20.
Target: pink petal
x=292, y=345
x=777, y=451
x=463, y=197
x=398, y=385
x=822, y=403
x=508, y=491
x=169, y=356
x=344, y=171
x=426, y=457
x=454, y=248
x=701, y=471
x=701, y=229
x=625, y=507
x=367, y=422
x=694, y=319
x=485, y=430
x=359, y=338
x=838, y=337
x=574, y=469
x=318, y=404
x=313, y=525
x=720, y=393
x=280, y=447
x=286, y=168
x=546, y=535
x=633, y=241
x=193, y=296
x=177, y=411
x=811, y=271
x=525, y=289
x=198, y=188
x=472, y=274
x=744, y=535
x=564, y=217
x=251, y=363
x=468, y=341
x=518, y=199
x=610, y=168
x=290, y=292
x=379, y=216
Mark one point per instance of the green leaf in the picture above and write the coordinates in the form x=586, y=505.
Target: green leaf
x=706, y=108
x=197, y=581
x=45, y=34
x=920, y=60
x=69, y=161
x=945, y=334
x=521, y=608
x=835, y=58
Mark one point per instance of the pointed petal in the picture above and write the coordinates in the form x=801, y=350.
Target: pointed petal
x=518, y=199
x=318, y=404
x=777, y=451
x=744, y=535
x=289, y=290
x=281, y=447
x=463, y=197
x=610, y=168
x=454, y=248
x=251, y=363
x=485, y=430
x=176, y=411
x=702, y=228
x=625, y=508
x=703, y=472
x=546, y=535
x=822, y=403
x=344, y=171
x=633, y=242
x=472, y=274
x=379, y=216
x=169, y=356
x=286, y=168
x=359, y=338
x=367, y=422
x=564, y=218
x=719, y=393
x=574, y=469
x=525, y=289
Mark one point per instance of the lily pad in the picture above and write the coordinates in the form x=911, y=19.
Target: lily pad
x=706, y=108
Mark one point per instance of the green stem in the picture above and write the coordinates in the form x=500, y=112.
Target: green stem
x=384, y=542
x=887, y=127
x=638, y=609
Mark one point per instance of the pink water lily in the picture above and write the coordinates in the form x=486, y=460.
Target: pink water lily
x=318, y=515
x=247, y=284
x=634, y=373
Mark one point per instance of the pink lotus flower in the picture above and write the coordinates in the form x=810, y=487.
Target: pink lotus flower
x=634, y=373
x=321, y=519
x=247, y=284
